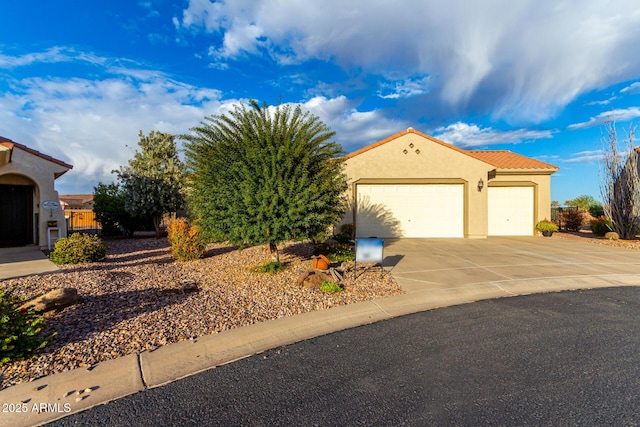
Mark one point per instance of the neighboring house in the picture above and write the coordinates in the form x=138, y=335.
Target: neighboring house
x=414, y=185
x=27, y=181
x=77, y=201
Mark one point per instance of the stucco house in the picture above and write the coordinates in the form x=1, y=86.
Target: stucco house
x=413, y=185
x=27, y=181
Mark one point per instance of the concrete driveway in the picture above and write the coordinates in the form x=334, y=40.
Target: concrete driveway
x=508, y=263
x=24, y=261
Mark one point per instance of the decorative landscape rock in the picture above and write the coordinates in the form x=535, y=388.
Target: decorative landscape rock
x=53, y=300
x=312, y=279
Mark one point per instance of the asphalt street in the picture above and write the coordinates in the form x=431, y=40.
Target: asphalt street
x=569, y=358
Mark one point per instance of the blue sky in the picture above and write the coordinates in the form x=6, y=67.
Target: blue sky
x=78, y=80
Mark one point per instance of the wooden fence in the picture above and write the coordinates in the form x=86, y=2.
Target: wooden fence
x=81, y=220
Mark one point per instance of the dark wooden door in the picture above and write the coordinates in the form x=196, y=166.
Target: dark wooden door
x=16, y=215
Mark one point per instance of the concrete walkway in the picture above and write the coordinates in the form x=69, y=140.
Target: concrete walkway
x=435, y=273
x=24, y=261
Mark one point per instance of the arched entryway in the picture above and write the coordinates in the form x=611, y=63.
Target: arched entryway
x=17, y=220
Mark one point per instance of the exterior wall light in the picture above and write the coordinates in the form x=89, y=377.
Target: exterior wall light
x=480, y=184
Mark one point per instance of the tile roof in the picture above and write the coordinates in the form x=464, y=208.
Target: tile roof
x=6, y=142
x=505, y=159
x=502, y=159
x=76, y=198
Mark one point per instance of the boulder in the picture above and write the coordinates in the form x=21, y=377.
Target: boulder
x=313, y=279
x=54, y=300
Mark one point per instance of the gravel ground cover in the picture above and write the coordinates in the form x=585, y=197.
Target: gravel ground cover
x=589, y=237
x=131, y=302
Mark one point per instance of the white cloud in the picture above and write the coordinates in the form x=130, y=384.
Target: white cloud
x=527, y=59
x=53, y=55
x=93, y=124
x=632, y=89
x=471, y=135
x=618, y=115
x=590, y=157
x=353, y=128
x=405, y=88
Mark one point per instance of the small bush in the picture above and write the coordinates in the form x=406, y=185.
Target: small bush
x=330, y=287
x=272, y=267
x=19, y=329
x=78, y=248
x=596, y=210
x=601, y=226
x=186, y=240
x=335, y=253
x=348, y=229
x=546, y=225
x=573, y=219
x=343, y=238
x=612, y=235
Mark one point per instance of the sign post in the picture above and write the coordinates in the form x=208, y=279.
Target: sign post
x=368, y=250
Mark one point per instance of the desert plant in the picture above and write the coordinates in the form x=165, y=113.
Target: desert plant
x=19, y=329
x=601, y=226
x=620, y=181
x=573, y=219
x=336, y=253
x=78, y=248
x=264, y=175
x=186, y=240
x=330, y=287
x=546, y=225
x=611, y=235
x=272, y=267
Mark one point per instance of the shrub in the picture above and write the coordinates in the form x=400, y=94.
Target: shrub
x=601, y=226
x=186, y=240
x=596, y=210
x=78, y=248
x=19, y=329
x=330, y=287
x=272, y=267
x=335, y=253
x=546, y=225
x=348, y=229
x=612, y=235
x=343, y=238
x=573, y=219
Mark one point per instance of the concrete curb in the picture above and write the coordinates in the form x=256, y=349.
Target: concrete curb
x=59, y=395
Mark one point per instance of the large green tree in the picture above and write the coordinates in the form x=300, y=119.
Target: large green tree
x=152, y=183
x=264, y=175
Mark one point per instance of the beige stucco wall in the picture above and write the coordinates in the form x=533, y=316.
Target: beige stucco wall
x=428, y=161
x=28, y=169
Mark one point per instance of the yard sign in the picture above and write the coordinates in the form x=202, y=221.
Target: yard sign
x=368, y=250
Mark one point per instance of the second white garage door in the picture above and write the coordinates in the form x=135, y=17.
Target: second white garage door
x=410, y=210
x=510, y=211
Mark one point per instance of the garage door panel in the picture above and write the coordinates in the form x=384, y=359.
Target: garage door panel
x=410, y=210
x=510, y=211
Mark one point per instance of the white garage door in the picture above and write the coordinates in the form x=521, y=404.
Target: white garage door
x=510, y=211
x=410, y=210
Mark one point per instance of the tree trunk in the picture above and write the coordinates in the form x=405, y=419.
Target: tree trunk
x=275, y=255
x=157, y=219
